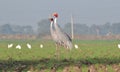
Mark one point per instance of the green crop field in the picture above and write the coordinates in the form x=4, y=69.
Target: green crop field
x=99, y=55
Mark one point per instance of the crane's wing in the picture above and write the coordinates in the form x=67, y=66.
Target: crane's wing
x=63, y=37
x=68, y=37
x=62, y=33
x=53, y=33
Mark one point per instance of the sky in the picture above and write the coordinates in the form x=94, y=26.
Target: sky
x=30, y=12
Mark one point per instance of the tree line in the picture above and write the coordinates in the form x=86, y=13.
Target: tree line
x=79, y=29
x=16, y=29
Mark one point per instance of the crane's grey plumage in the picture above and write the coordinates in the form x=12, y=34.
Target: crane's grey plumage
x=52, y=30
x=55, y=37
x=59, y=36
x=53, y=33
x=63, y=37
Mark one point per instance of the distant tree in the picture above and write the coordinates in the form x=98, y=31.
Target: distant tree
x=105, y=29
x=67, y=28
x=28, y=30
x=22, y=29
x=82, y=29
x=16, y=29
x=115, y=28
x=6, y=29
x=43, y=27
x=94, y=29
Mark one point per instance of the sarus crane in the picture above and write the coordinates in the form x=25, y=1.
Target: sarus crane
x=58, y=35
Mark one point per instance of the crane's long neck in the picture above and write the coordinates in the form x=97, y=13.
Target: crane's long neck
x=55, y=23
x=55, y=20
x=51, y=24
x=52, y=28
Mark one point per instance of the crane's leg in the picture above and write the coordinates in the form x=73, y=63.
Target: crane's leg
x=67, y=53
x=57, y=51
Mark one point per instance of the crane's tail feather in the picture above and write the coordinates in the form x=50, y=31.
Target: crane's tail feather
x=69, y=45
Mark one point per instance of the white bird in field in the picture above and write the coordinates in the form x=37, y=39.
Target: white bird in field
x=10, y=45
x=119, y=46
x=29, y=46
x=41, y=45
x=76, y=46
x=18, y=47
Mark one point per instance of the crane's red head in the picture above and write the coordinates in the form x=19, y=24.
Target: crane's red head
x=55, y=14
x=51, y=19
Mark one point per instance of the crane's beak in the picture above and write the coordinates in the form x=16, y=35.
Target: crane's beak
x=50, y=16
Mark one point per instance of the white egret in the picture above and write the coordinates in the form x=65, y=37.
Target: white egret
x=18, y=47
x=76, y=46
x=10, y=45
x=41, y=45
x=29, y=46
